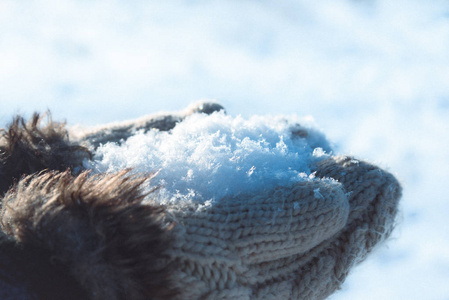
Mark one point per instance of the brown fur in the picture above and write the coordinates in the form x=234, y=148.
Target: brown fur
x=112, y=242
x=26, y=148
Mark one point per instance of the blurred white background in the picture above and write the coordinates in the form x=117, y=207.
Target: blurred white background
x=373, y=74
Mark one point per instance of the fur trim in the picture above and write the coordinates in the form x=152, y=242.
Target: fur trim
x=26, y=148
x=30, y=273
x=98, y=226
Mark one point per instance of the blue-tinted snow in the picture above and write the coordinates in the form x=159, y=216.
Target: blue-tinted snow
x=208, y=157
x=374, y=74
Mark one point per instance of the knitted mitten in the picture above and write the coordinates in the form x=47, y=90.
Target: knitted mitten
x=291, y=242
x=118, y=132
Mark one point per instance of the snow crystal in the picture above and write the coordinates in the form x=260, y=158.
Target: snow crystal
x=317, y=194
x=209, y=157
x=373, y=73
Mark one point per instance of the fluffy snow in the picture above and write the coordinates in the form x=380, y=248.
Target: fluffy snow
x=373, y=73
x=205, y=158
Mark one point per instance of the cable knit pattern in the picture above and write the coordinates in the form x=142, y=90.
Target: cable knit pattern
x=117, y=132
x=287, y=244
x=296, y=242
x=291, y=242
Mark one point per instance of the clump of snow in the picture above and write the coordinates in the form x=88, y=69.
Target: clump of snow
x=207, y=157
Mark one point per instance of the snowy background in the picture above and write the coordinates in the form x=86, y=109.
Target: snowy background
x=373, y=74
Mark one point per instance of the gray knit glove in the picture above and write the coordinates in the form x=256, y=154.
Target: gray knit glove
x=295, y=242
x=292, y=243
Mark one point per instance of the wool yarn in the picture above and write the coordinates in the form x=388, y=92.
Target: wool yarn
x=248, y=248
x=293, y=242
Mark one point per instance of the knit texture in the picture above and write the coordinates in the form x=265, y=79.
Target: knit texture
x=118, y=132
x=117, y=242
x=296, y=242
x=291, y=243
